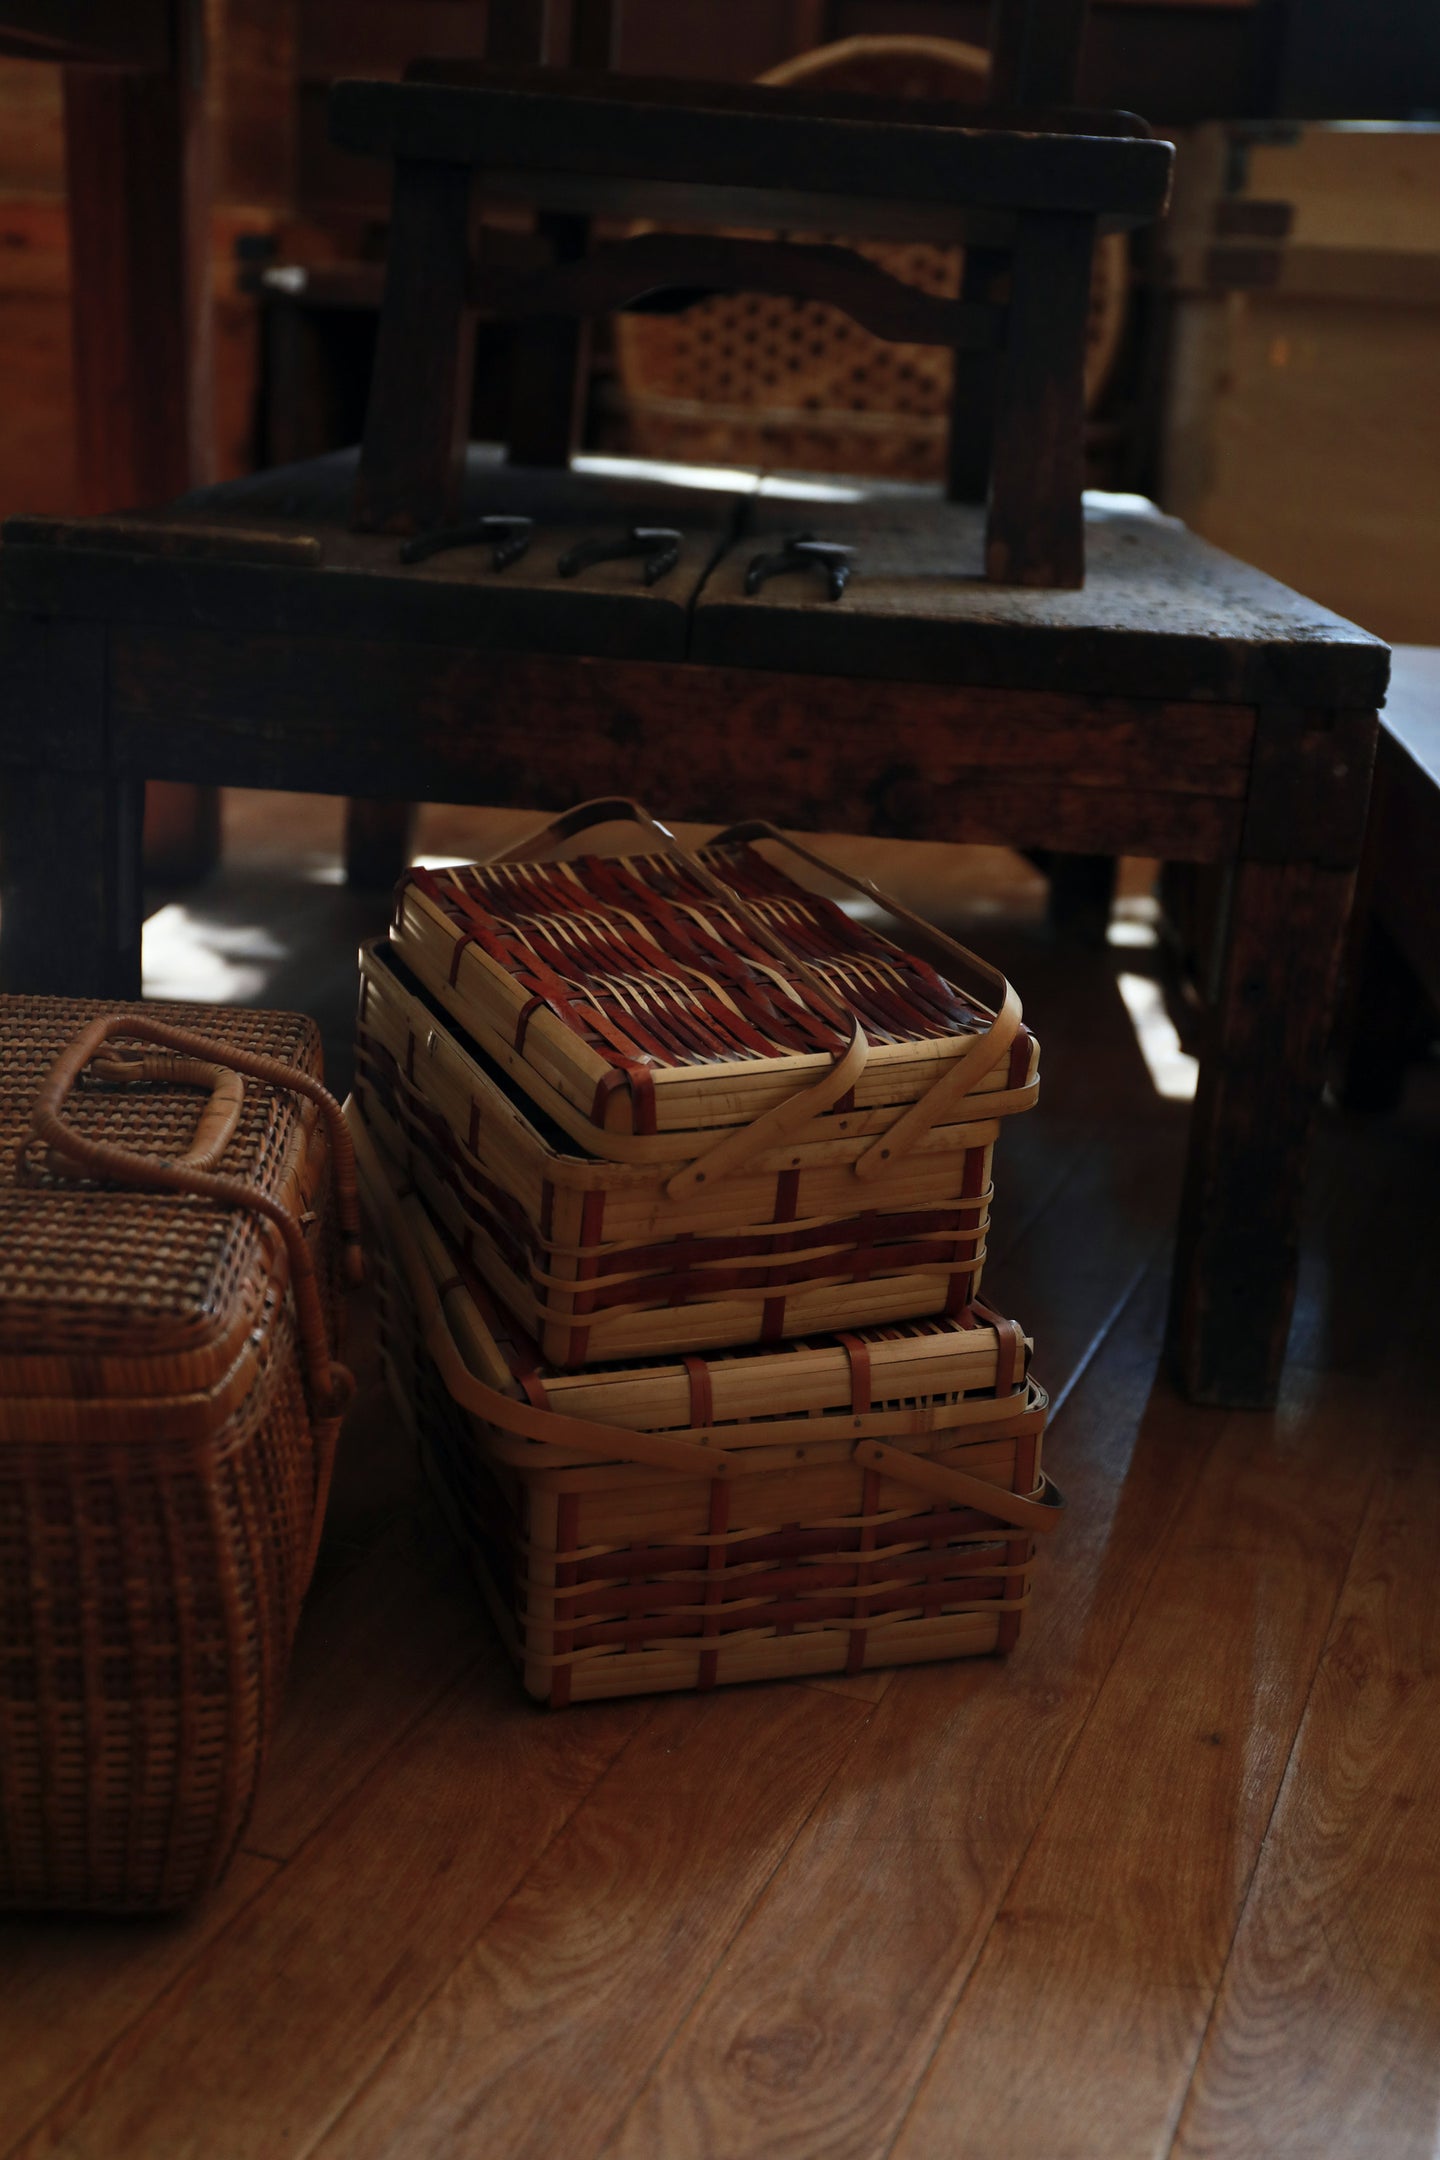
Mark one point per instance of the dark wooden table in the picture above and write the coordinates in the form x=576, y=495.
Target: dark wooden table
x=1180, y=705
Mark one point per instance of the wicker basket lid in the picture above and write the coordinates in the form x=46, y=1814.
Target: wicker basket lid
x=107, y=1291
x=657, y=993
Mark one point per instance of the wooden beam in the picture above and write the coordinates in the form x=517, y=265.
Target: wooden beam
x=138, y=169
x=413, y=459
x=772, y=148
x=695, y=266
x=138, y=34
x=910, y=761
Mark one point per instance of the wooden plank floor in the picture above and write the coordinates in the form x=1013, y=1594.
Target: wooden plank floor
x=1164, y=1882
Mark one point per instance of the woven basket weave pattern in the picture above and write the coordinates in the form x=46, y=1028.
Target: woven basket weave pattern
x=145, y=1657
x=598, y=1264
x=158, y=1477
x=652, y=977
x=617, y=1579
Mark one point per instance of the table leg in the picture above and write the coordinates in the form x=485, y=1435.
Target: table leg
x=378, y=838
x=1260, y=1080
x=1082, y=895
x=70, y=907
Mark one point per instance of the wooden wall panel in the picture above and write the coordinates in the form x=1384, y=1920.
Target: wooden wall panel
x=1301, y=427
x=32, y=130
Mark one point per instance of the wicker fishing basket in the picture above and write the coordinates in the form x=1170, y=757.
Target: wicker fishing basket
x=679, y=1101
x=168, y=1410
x=834, y=1505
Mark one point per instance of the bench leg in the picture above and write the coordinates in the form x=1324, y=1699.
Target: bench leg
x=412, y=463
x=1034, y=532
x=549, y=365
x=972, y=395
x=70, y=905
x=1261, y=1074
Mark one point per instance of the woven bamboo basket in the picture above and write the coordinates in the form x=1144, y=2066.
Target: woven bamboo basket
x=168, y=1411
x=663, y=1123
x=842, y=1503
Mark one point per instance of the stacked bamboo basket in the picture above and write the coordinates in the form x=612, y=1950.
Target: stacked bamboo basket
x=680, y=1178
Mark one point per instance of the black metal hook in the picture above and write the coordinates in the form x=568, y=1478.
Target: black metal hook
x=658, y=545
x=511, y=537
x=802, y=551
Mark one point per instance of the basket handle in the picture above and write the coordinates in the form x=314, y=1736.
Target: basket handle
x=773, y=1127
x=330, y=1384
x=217, y=1122
x=941, y=1482
x=612, y=1443
x=962, y=1074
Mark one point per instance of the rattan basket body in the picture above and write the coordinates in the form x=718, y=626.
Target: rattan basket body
x=165, y=1442
x=838, y=1504
x=654, y=1124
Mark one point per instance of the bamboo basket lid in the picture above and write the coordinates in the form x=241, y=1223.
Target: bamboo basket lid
x=675, y=993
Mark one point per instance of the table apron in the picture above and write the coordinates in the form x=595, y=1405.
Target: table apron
x=905, y=760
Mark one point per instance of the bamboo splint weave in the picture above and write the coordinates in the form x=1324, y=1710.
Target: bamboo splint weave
x=670, y=993
x=785, y=1120
x=842, y=1503
x=168, y=1411
x=598, y=1261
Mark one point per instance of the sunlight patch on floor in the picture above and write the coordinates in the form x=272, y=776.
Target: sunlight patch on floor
x=1172, y=1070
x=183, y=956
x=1134, y=921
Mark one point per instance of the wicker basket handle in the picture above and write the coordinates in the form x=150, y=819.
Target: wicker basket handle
x=1037, y=1517
x=330, y=1384
x=612, y=1443
x=218, y=1120
x=964, y=1072
x=773, y=1127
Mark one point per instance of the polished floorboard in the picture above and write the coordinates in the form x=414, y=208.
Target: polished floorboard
x=1166, y=1881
